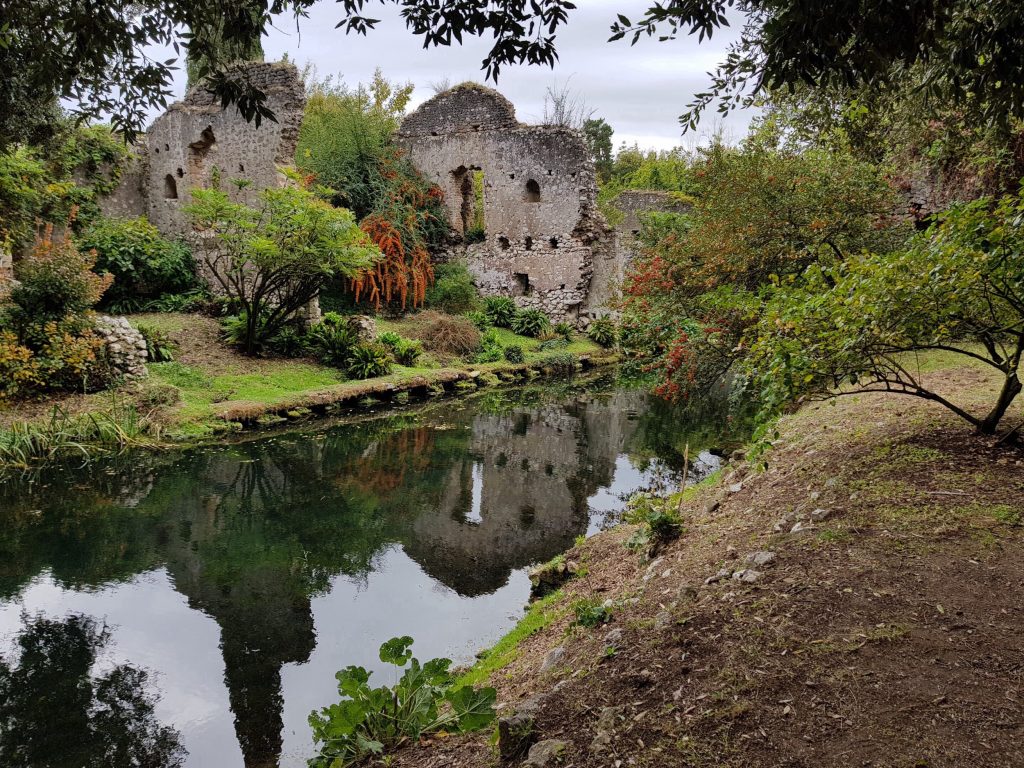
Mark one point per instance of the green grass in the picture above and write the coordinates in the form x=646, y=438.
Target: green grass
x=541, y=614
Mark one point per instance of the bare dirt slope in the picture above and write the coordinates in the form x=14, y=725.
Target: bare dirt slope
x=887, y=630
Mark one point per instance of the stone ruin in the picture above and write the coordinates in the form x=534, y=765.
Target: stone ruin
x=198, y=144
x=523, y=198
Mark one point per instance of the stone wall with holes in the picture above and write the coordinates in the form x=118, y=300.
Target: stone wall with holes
x=537, y=232
x=611, y=264
x=197, y=143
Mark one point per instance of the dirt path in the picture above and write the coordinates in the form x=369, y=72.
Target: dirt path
x=886, y=630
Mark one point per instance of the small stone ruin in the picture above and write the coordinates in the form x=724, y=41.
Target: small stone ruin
x=198, y=144
x=523, y=198
x=126, y=347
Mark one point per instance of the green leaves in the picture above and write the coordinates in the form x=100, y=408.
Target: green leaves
x=396, y=651
x=473, y=707
x=371, y=721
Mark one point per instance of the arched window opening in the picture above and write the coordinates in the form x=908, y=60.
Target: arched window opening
x=170, y=188
x=532, y=191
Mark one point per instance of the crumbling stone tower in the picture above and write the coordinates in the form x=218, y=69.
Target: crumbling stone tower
x=197, y=144
x=524, y=198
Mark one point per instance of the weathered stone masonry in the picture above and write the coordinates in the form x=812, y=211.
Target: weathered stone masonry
x=196, y=141
x=541, y=227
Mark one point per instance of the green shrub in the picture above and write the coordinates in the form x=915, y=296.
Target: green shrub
x=453, y=290
x=287, y=247
x=407, y=351
x=389, y=339
x=590, y=613
x=368, y=361
x=47, y=341
x=659, y=523
x=530, y=322
x=479, y=319
x=332, y=339
x=144, y=264
x=563, y=362
x=514, y=353
x=490, y=348
x=564, y=330
x=602, y=331
x=500, y=311
x=371, y=722
x=291, y=341
x=159, y=347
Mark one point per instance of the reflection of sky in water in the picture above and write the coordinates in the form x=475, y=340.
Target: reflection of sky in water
x=436, y=573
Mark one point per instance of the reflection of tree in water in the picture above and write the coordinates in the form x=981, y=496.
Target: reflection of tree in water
x=250, y=533
x=53, y=714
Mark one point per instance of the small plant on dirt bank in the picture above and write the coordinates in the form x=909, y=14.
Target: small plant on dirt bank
x=530, y=322
x=490, y=348
x=659, y=523
x=374, y=721
x=500, y=311
x=332, y=339
x=591, y=613
x=564, y=330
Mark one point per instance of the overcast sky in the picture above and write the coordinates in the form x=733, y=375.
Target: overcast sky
x=639, y=90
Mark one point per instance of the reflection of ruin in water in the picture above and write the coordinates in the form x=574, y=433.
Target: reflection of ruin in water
x=251, y=533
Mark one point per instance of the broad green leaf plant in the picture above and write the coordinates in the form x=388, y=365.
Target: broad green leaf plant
x=374, y=721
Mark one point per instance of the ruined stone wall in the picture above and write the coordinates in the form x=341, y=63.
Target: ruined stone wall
x=611, y=263
x=196, y=141
x=540, y=221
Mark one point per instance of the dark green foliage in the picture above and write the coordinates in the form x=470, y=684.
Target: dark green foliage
x=106, y=718
x=332, y=340
x=603, y=331
x=530, y=322
x=453, y=290
x=374, y=721
x=407, y=351
x=144, y=264
x=479, y=319
x=590, y=613
x=189, y=301
x=563, y=362
x=514, y=353
x=490, y=348
x=159, y=347
x=367, y=361
x=389, y=339
x=291, y=341
x=500, y=311
x=598, y=135
x=564, y=330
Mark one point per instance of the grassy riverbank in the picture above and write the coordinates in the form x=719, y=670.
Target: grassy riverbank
x=210, y=389
x=882, y=629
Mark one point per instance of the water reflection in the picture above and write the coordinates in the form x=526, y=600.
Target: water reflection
x=55, y=713
x=290, y=542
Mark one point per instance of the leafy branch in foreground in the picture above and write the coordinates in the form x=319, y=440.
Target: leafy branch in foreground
x=371, y=721
x=859, y=324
